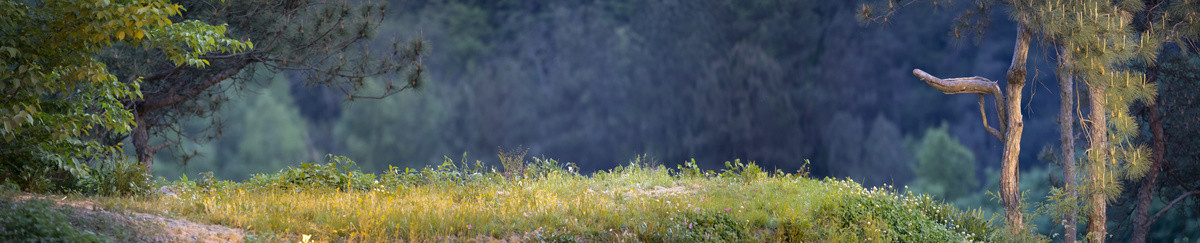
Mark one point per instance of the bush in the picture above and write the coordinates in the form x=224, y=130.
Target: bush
x=858, y=214
x=119, y=178
x=339, y=172
x=38, y=174
x=744, y=171
x=542, y=167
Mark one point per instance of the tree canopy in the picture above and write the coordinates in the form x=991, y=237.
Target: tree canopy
x=57, y=94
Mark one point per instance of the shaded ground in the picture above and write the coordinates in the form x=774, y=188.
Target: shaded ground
x=138, y=227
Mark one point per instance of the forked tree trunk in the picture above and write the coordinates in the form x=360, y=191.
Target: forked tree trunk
x=1066, y=122
x=1008, y=111
x=1098, y=136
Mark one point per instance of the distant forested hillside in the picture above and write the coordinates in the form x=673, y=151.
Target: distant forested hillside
x=600, y=82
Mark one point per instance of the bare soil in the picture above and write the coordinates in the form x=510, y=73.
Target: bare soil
x=142, y=227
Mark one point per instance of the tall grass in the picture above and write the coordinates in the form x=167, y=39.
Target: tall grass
x=550, y=201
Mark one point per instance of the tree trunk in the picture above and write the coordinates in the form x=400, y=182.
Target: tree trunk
x=1008, y=112
x=1098, y=136
x=1141, y=213
x=1141, y=220
x=1012, y=135
x=1066, y=123
x=141, y=141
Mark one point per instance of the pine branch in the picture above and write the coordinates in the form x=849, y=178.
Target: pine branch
x=174, y=97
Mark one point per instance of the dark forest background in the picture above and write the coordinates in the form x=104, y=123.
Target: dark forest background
x=600, y=82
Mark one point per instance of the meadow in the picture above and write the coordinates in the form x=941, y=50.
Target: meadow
x=545, y=200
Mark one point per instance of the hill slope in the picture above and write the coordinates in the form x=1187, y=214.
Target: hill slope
x=547, y=201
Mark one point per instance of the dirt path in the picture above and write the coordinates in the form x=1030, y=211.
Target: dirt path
x=145, y=227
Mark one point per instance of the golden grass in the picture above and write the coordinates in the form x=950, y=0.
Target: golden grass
x=640, y=204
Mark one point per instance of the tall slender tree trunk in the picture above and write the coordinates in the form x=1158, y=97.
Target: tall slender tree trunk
x=1008, y=112
x=1009, y=176
x=1141, y=220
x=1066, y=125
x=1098, y=136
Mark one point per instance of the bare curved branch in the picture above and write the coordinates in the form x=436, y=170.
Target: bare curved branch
x=967, y=85
x=1172, y=204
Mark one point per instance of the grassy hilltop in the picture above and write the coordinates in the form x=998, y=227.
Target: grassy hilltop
x=544, y=200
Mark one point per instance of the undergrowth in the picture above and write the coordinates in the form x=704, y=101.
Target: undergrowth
x=545, y=200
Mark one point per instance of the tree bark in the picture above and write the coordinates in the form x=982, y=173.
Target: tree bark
x=1141, y=221
x=141, y=141
x=1009, y=176
x=1066, y=122
x=1008, y=112
x=1098, y=136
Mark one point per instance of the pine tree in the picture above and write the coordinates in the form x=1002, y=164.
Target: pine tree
x=1170, y=21
x=1095, y=44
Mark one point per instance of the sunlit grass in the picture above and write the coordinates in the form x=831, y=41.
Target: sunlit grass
x=634, y=202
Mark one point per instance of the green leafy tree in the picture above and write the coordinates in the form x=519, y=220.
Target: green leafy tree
x=943, y=167
x=378, y=137
x=55, y=94
x=273, y=132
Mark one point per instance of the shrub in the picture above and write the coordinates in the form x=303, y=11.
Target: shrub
x=861, y=214
x=689, y=169
x=119, y=178
x=746, y=172
x=41, y=174
x=339, y=172
x=542, y=167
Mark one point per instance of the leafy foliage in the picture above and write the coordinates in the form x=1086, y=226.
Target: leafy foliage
x=328, y=43
x=117, y=178
x=56, y=94
x=339, y=172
